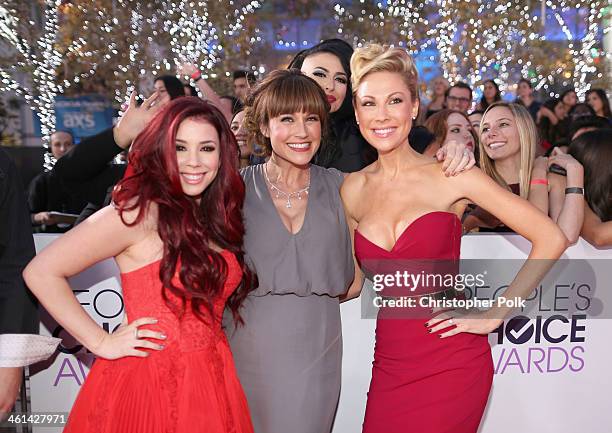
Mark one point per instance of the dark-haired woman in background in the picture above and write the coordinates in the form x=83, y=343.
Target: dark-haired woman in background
x=176, y=229
x=593, y=150
x=328, y=63
x=598, y=100
x=552, y=124
x=569, y=98
x=168, y=87
x=245, y=147
x=490, y=95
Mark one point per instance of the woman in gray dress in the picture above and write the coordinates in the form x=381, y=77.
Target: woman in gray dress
x=288, y=351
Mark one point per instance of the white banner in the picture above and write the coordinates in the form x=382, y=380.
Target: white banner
x=55, y=383
x=552, y=370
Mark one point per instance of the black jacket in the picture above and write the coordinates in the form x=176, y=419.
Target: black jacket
x=18, y=310
x=88, y=167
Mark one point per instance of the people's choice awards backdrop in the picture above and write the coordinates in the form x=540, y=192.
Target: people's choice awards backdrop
x=552, y=359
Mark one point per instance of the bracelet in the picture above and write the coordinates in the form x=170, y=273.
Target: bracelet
x=574, y=190
x=539, y=182
x=196, y=75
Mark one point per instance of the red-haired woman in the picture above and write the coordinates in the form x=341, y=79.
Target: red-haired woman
x=175, y=230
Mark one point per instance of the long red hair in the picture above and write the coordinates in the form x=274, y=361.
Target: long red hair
x=186, y=228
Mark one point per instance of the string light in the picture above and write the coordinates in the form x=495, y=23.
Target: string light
x=482, y=39
x=40, y=62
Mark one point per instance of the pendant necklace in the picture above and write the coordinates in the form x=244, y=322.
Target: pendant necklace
x=287, y=195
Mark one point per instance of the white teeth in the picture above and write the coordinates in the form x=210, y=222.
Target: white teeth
x=495, y=145
x=193, y=176
x=384, y=131
x=298, y=145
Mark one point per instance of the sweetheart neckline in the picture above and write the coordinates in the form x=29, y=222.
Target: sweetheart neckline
x=154, y=262
x=406, y=229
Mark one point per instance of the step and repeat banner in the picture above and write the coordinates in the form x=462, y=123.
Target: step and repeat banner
x=552, y=358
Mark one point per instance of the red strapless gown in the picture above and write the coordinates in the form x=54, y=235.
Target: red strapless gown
x=421, y=383
x=190, y=386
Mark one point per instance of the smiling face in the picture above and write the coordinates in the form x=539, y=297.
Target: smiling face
x=384, y=109
x=459, y=129
x=197, y=155
x=500, y=137
x=294, y=137
x=240, y=132
x=327, y=71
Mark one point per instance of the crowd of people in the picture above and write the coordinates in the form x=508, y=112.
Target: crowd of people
x=269, y=204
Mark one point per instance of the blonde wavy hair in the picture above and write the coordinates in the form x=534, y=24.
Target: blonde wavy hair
x=528, y=140
x=382, y=58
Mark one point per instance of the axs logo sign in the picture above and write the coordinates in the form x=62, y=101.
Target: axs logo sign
x=75, y=120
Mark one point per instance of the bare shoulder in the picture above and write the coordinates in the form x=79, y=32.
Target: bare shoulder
x=352, y=185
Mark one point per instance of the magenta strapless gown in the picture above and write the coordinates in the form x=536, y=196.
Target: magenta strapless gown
x=421, y=383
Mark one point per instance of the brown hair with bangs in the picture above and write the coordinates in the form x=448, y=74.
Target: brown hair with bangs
x=283, y=92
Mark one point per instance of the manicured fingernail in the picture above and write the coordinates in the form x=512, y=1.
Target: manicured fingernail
x=429, y=330
x=161, y=346
x=163, y=337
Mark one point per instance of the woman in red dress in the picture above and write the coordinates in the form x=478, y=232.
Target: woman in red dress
x=175, y=230
x=430, y=374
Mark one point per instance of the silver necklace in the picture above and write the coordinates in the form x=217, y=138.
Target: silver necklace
x=280, y=193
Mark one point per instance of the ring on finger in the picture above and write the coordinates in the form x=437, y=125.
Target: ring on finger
x=450, y=321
